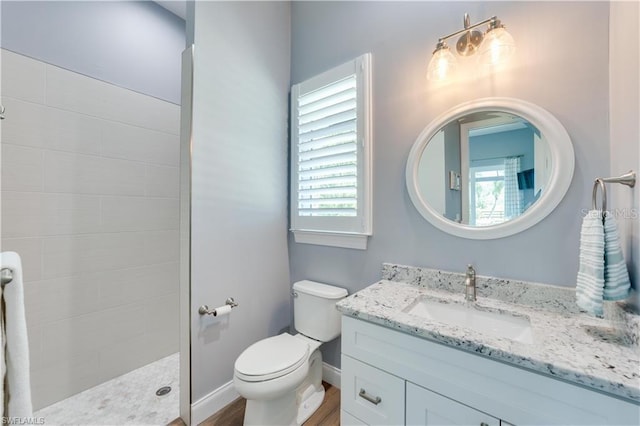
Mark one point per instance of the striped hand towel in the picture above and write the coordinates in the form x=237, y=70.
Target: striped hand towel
x=616, y=274
x=590, y=281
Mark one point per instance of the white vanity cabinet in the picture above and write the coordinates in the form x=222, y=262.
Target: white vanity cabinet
x=393, y=378
x=424, y=407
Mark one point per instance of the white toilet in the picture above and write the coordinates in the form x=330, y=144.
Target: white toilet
x=281, y=376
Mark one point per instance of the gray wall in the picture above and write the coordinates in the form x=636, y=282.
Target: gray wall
x=135, y=45
x=452, y=154
x=239, y=182
x=625, y=127
x=563, y=68
x=504, y=144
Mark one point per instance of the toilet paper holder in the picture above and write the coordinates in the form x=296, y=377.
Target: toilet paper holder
x=204, y=309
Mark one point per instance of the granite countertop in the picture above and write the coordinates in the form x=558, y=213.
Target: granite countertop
x=598, y=353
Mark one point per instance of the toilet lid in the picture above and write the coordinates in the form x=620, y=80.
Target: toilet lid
x=272, y=357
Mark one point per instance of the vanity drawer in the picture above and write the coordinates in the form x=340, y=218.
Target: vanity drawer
x=371, y=395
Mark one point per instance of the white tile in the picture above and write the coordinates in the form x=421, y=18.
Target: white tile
x=145, y=111
x=82, y=336
x=74, y=92
x=70, y=131
x=162, y=315
x=162, y=181
x=30, y=251
x=122, y=286
x=30, y=214
x=62, y=379
x=22, y=168
x=71, y=91
x=85, y=174
x=61, y=298
x=35, y=125
x=138, y=214
x=161, y=247
x=24, y=123
x=128, y=355
x=34, y=333
x=22, y=77
x=137, y=143
x=70, y=255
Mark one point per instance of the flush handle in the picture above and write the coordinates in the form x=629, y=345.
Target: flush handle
x=375, y=400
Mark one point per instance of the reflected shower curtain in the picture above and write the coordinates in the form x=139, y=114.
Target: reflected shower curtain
x=512, y=196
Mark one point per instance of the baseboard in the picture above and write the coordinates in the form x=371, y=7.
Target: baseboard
x=210, y=404
x=331, y=374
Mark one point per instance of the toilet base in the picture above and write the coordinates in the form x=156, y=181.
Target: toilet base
x=310, y=404
x=292, y=408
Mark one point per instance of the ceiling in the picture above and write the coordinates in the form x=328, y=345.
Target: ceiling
x=177, y=7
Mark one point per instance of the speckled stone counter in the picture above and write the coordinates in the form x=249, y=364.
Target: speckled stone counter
x=598, y=353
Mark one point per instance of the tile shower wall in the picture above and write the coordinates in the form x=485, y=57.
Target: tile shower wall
x=90, y=202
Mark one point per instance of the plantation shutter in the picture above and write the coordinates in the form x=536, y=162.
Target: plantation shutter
x=327, y=150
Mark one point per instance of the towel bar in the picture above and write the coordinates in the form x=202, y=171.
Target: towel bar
x=6, y=276
x=628, y=179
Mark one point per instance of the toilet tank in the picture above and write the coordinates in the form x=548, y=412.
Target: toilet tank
x=314, y=309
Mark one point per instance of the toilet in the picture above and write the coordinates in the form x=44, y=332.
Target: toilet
x=281, y=376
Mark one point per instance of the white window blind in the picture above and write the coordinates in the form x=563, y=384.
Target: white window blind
x=327, y=151
x=331, y=154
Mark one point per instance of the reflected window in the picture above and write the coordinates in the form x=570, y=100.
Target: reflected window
x=486, y=195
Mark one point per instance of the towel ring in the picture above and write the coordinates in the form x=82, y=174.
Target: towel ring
x=594, y=195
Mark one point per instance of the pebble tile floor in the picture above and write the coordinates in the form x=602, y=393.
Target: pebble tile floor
x=129, y=399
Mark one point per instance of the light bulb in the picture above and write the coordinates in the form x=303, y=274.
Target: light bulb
x=497, y=47
x=442, y=63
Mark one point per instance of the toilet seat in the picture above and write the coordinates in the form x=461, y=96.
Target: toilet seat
x=271, y=358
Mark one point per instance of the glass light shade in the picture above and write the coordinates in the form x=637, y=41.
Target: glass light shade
x=497, y=47
x=442, y=64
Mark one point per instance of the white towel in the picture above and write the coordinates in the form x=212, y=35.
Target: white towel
x=590, y=281
x=16, y=390
x=616, y=274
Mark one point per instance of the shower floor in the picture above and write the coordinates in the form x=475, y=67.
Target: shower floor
x=126, y=400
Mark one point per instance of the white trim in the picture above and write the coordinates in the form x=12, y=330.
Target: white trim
x=333, y=239
x=360, y=224
x=331, y=374
x=562, y=166
x=210, y=404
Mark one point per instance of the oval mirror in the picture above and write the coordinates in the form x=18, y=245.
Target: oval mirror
x=490, y=168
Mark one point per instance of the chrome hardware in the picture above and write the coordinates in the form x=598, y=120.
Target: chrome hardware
x=628, y=179
x=294, y=294
x=204, y=309
x=6, y=276
x=374, y=400
x=470, y=284
x=2, y=112
x=484, y=424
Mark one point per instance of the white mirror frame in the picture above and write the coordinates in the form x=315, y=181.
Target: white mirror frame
x=562, y=166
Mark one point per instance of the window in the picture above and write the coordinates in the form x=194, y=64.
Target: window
x=331, y=156
x=486, y=195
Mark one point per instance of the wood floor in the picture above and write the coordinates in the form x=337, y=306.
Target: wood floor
x=233, y=414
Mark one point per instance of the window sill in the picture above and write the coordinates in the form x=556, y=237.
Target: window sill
x=333, y=239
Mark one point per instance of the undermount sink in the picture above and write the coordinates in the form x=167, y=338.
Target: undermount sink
x=470, y=316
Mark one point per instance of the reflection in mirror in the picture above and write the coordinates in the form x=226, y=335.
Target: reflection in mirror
x=484, y=168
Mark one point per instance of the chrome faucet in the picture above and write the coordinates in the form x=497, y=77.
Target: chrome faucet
x=470, y=284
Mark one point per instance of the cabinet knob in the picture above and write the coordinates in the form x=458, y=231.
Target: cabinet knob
x=375, y=400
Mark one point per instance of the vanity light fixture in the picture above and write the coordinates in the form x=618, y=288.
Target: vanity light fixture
x=494, y=47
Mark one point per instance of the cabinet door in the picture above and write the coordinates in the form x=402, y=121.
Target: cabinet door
x=424, y=407
x=347, y=419
x=371, y=395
